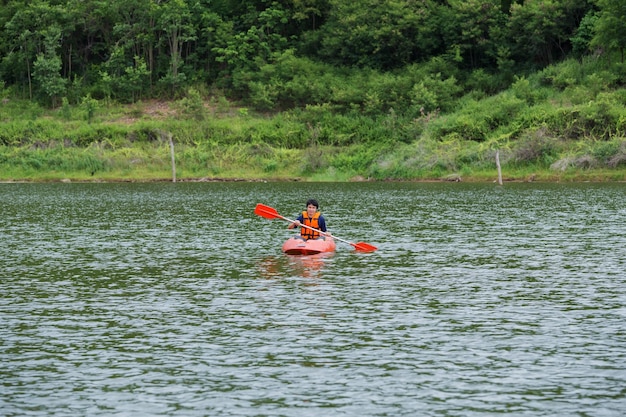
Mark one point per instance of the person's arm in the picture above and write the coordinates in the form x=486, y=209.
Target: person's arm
x=295, y=223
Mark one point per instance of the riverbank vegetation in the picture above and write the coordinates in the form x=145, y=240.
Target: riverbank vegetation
x=277, y=90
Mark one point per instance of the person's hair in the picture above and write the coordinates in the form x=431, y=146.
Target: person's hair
x=312, y=201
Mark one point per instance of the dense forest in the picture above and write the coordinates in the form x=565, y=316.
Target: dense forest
x=338, y=72
x=285, y=53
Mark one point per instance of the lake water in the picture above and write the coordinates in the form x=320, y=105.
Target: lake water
x=175, y=300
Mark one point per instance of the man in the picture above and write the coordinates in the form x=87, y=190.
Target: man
x=311, y=217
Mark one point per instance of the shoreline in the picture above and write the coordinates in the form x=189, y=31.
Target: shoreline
x=478, y=179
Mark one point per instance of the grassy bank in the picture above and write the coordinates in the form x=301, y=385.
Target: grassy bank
x=152, y=162
x=565, y=123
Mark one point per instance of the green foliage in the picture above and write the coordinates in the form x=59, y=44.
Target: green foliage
x=566, y=74
x=379, y=34
x=66, y=110
x=373, y=56
x=14, y=110
x=610, y=26
x=381, y=89
x=604, y=151
x=581, y=41
x=298, y=82
x=618, y=158
x=89, y=106
x=477, y=120
x=478, y=37
x=536, y=146
x=462, y=127
x=543, y=28
x=47, y=67
x=523, y=90
x=591, y=120
x=357, y=158
x=290, y=81
x=192, y=105
x=480, y=81
x=432, y=94
x=54, y=158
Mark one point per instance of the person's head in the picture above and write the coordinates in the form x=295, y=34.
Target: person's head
x=312, y=206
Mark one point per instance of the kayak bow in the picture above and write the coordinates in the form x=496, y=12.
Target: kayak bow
x=299, y=246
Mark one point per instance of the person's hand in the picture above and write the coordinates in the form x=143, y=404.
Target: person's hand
x=297, y=223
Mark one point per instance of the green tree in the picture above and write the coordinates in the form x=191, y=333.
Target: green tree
x=478, y=24
x=47, y=67
x=611, y=26
x=134, y=33
x=581, y=41
x=257, y=42
x=89, y=106
x=173, y=20
x=380, y=34
x=313, y=12
x=24, y=38
x=540, y=30
x=213, y=37
x=124, y=80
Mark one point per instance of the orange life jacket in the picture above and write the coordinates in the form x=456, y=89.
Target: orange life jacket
x=307, y=233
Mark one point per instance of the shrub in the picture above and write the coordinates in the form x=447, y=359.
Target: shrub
x=192, y=105
x=535, y=146
x=524, y=90
x=89, y=106
x=66, y=110
x=619, y=158
x=563, y=75
x=460, y=125
x=480, y=80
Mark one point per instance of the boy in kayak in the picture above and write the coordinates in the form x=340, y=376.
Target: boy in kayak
x=311, y=217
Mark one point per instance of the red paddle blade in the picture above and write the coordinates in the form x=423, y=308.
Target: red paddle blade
x=266, y=211
x=364, y=247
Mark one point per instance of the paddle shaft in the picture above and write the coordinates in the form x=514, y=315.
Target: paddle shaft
x=304, y=225
x=317, y=230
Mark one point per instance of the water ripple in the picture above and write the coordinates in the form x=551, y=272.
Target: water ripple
x=153, y=299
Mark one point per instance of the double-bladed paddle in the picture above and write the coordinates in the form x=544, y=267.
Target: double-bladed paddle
x=271, y=213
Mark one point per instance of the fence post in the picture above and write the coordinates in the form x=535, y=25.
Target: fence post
x=498, y=165
x=169, y=136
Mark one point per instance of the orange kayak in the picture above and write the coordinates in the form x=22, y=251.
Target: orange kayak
x=299, y=246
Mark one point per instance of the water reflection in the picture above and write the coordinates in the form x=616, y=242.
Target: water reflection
x=309, y=266
x=304, y=266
